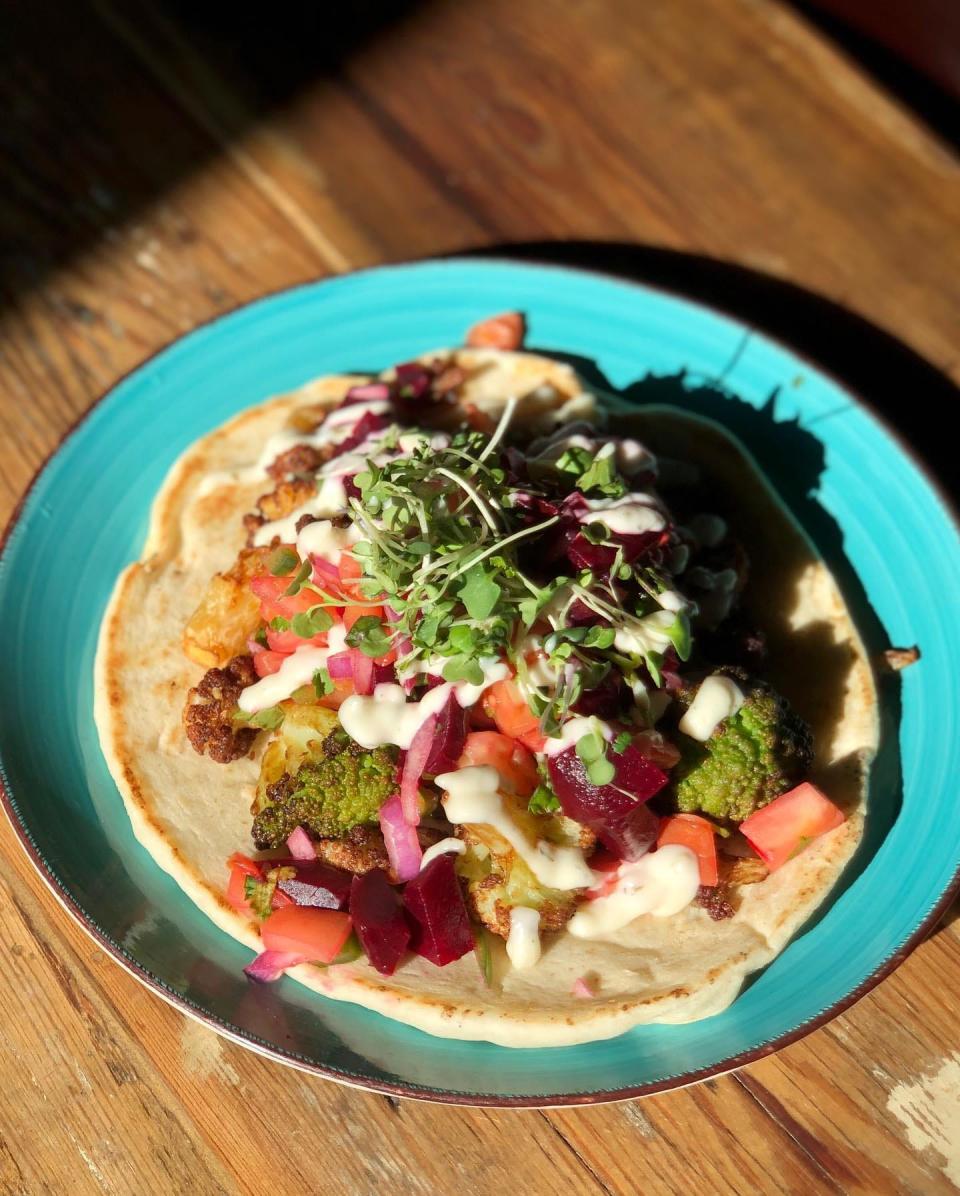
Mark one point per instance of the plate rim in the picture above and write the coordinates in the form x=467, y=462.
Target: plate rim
x=411, y=1090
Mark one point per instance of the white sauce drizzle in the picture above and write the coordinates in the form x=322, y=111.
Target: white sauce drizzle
x=331, y=499
x=457, y=846
x=472, y=796
x=630, y=515
x=295, y=671
x=647, y=635
x=661, y=883
x=717, y=698
x=324, y=540
x=387, y=716
x=671, y=600
x=523, y=942
x=573, y=731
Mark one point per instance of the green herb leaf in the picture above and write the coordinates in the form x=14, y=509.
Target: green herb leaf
x=479, y=593
x=311, y=622
x=602, y=478
x=679, y=634
x=282, y=560
x=267, y=720
x=261, y=637
x=599, y=637
x=370, y=636
x=622, y=742
x=543, y=800
x=463, y=668
x=592, y=750
x=303, y=574
x=322, y=683
x=278, y=624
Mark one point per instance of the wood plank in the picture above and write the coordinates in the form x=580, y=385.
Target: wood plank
x=214, y=1109
x=715, y=1131
x=468, y=123
x=84, y=1110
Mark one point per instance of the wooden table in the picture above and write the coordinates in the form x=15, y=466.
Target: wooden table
x=167, y=164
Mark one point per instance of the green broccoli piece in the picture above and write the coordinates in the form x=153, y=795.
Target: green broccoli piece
x=343, y=787
x=752, y=757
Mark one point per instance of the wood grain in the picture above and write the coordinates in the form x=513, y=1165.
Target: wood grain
x=149, y=187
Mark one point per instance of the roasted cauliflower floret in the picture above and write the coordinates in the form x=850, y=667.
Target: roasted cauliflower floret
x=498, y=879
x=228, y=614
x=360, y=850
x=340, y=787
x=286, y=498
x=300, y=460
x=209, y=716
x=752, y=757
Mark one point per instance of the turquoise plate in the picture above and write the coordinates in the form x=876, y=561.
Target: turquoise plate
x=876, y=517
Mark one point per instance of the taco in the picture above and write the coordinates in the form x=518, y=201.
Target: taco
x=462, y=695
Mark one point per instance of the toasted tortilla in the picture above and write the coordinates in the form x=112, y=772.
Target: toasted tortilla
x=191, y=813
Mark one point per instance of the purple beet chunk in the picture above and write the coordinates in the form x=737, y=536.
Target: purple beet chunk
x=376, y=908
x=584, y=555
x=615, y=812
x=366, y=426
x=448, y=737
x=441, y=931
x=413, y=380
x=605, y=700
x=316, y=883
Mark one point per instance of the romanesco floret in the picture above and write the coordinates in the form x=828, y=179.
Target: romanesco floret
x=343, y=787
x=752, y=757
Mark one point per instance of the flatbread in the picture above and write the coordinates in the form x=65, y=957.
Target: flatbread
x=191, y=813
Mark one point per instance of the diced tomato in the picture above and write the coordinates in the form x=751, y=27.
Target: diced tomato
x=351, y=572
x=241, y=867
x=505, y=331
x=236, y=894
x=784, y=827
x=275, y=603
x=245, y=864
x=352, y=613
x=342, y=689
x=268, y=662
x=514, y=763
x=289, y=641
x=690, y=830
x=314, y=934
x=504, y=703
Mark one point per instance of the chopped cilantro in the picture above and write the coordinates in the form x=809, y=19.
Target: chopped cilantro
x=281, y=561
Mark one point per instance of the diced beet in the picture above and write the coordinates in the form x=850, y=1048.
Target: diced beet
x=351, y=489
x=448, y=737
x=604, y=701
x=383, y=673
x=413, y=380
x=366, y=425
x=376, y=908
x=316, y=884
x=584, y=555
x=441, y=931
x=615, y=812
x=581, y=615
